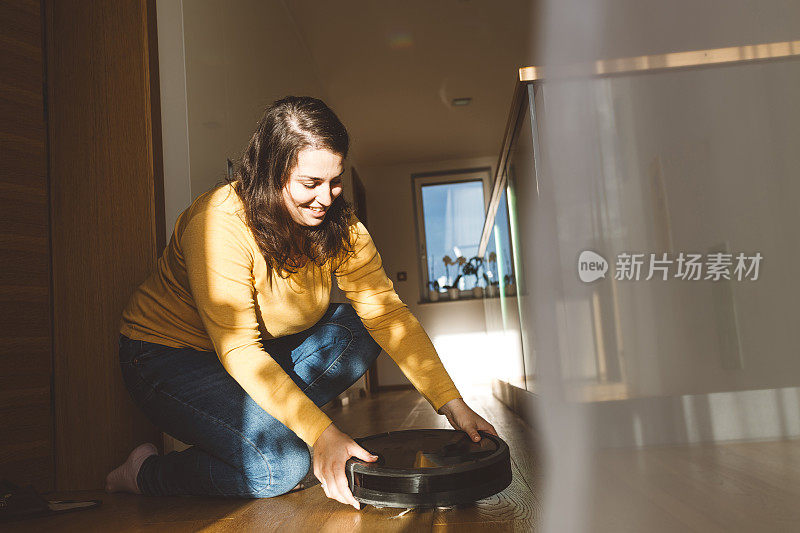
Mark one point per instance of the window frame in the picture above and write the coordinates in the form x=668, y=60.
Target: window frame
x=443, y=177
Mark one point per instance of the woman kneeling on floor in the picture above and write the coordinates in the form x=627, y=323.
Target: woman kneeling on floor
x=232, y=345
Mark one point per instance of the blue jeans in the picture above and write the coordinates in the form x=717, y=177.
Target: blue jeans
x=238, y=449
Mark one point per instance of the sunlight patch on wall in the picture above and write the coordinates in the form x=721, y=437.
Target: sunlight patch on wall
x=473, y=360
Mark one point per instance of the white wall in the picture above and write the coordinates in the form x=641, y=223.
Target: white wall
x=219, y=69
x=391, y=224
x=174, y=120
x=238, y=61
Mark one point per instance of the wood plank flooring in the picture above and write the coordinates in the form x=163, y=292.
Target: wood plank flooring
x=735, y=486
x=730, y=487
x=515, y=509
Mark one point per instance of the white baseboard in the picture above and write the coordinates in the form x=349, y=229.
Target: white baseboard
x=767, y=414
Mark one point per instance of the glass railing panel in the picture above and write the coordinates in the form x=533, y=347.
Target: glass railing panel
x=500, y=304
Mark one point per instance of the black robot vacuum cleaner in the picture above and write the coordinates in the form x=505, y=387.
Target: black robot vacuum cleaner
x=429, y=468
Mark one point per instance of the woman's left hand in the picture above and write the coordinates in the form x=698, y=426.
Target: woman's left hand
x=463, y=418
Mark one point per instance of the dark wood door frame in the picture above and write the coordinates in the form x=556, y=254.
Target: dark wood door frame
x=107, y=213
x=26, y=412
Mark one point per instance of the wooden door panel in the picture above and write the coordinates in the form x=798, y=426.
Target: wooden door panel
x=26, y=418
x=107, y=219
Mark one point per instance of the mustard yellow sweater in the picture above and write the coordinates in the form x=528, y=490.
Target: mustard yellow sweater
x=212, y=291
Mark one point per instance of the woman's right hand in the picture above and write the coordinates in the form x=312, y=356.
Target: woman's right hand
x=331, y=451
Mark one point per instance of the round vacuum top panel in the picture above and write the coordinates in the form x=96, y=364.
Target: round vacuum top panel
x=429, y=468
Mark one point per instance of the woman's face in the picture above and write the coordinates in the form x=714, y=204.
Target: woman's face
x=313, y=185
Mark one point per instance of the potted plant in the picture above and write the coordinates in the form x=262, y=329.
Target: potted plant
x=452, y=290
x=492, y=289
x=460, y=262
x=510, y=286
x=447, y=260
x=472, y=268
x=493, y=285
x=433, y=291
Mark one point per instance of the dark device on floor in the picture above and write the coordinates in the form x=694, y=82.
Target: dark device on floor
x=429, y=468
x=17, y=503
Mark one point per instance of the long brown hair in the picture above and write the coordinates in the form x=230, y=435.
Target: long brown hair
x=288, y=126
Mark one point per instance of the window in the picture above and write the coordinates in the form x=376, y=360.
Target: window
x=499, y=265
x=450, y=209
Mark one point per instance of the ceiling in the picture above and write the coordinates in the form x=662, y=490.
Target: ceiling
x=391, y=69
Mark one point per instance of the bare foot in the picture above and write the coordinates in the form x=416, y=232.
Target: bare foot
x=123, y=478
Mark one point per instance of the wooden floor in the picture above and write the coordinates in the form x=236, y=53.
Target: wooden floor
x=729, y=487
x=736, y=486
x=515, y=509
